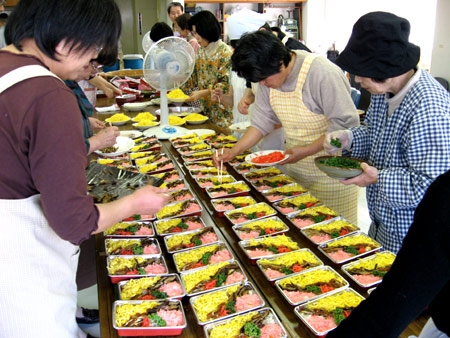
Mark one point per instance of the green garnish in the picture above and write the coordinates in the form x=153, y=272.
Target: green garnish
x=251, y=330
x=136, y=217
x=341, y=162
x=132, y=229
x=252, y=215
x=205, y=258
x=141, y=271
x=138, y=250
x=378, y=273
x=183, y=225
x=351, y=250
x=274, y=249
x=314, y=289
x=334, y=234
x=197, y=242
x=335, y=142
x=154, y=318
x=221, y=278
x=319, y=218
x=232, y=190
x=338, y=315
x=301, y=206
x=230, y=306
x=286, y=271
x=159, y=294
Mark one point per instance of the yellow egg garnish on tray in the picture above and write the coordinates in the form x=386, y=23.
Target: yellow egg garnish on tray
x=119, y=117
x=177, y=94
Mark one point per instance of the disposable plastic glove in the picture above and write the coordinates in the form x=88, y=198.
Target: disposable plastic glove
x=345, y=138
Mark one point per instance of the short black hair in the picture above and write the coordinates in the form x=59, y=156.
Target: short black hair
x=83, y=24
x=174, y=4
x=160, y=30
x=206, y=25
x=259, y=55
x=182, y=20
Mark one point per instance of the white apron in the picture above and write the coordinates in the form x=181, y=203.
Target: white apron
x=38, y=292
x=301, y=127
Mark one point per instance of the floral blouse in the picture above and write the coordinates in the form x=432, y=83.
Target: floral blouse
x=212, y=69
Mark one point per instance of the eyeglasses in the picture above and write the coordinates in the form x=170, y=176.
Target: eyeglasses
x=95, y=67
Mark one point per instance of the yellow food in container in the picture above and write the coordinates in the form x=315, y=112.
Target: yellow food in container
x=176, y=120
x=313, y=277
x=135, y=287
x=183, y=258
x=379, y=261
x=289, y=259
x=233, y=327
x=190, y=280
x=206, y=304
x=144, y=116
x=126, y=311
x=276, y=241
x=147, y=122
x=177, y=94
x=119, y=117
x=196, y=117
x=342, y=300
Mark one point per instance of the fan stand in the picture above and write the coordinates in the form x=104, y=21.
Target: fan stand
x=165, y=131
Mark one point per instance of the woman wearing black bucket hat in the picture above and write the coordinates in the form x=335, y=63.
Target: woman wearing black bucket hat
x=405, y=141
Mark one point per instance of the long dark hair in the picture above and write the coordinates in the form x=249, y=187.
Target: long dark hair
x=83, y=24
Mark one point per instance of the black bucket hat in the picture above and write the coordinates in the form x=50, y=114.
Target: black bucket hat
x=379, y=47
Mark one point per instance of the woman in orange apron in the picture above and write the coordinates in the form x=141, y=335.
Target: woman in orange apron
x=309, y=96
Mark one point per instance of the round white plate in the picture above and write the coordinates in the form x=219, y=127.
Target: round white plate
x=131, y=133
x=118, y=123
x=201, y=132
x=135, y=106
x=135, y=125
x=249, y=158
x=240, y=127
x=197, y=122
x=124, y=145
x=166, y=132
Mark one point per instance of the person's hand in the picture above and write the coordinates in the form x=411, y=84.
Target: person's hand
x=104, y=85
x=104, y=138
x=337, y=141
x=217, y=95
x=246, y=101
x=223, y=155
x=194, y=96
x=96, y=124
x=149, y=200
x=367, y=177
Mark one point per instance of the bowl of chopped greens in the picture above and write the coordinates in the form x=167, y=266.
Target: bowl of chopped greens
x=339, y=167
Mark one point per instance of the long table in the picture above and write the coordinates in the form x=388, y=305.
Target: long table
x=107, y=292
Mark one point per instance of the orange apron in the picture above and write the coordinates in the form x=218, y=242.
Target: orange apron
x=302, y=127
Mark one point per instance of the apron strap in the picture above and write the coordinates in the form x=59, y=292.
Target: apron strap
x=23, y=73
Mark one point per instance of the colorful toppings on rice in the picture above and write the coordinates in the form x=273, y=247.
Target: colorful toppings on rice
x=227, y=189
x=149, y=314
x=174, y=185
x=180, y=195
x=130, y=229
x=262, y=173
x=188, y=240
x=178, y=209
x=251, y=212
x=221, y=303
x=206, y=172
x=214, y=180
x=350, y=246
x=181, y=224
x=144, y=246
x=151, y=288
x=233, y=203
x=200, y=257
x=272, y=182
x=259, y=228
x=310, y=284
x=163, y=165
x=289, y=190
x=371, y=269
x=211, y=277
x=291, y=262
x=323, y=232
x=312, y=215
x=200, y=165
x=301, y=202
x=136, y=265
x=265, y=246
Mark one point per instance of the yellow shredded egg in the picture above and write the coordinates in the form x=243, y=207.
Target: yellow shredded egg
x=313, y=277
x=342, y=300
x=144, y=116
x=196, y=117
x=119, y=117
x=183, y=258
x=177, y=94
x=291, y=258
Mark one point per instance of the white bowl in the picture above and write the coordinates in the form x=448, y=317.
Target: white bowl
x=135, y=106
x=135, y=125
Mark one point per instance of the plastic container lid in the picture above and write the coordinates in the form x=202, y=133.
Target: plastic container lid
x=132, y=56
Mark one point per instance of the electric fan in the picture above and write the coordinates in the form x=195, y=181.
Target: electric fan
x=146, y=42
x=167, y=65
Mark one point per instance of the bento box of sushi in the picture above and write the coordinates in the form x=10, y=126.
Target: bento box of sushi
x=249, y=213
x=311, y=216
x=226, y=302
x=262, y=173
x=262, y=322
x=214, y=181
x=370, y=270
x=260, y=227
x=263, y=184
x=143, y=318
x=179, y=209
x=202, y=256
x=290, y=205
x=279, y=193
x=267, y=246
x=130, y=229
x=310, y=284
x=245, y=167
x=207, y=172
x=174, y=184
x=349, y=247
x=152, y=288
x=212, y=277
x=199, y=165
x=156, y=167
x=178, y=225
x=180, y=195
x=328, y=230
x=126, y=267
x=198, y=156
x=286, y=264
x=221, y=205
x=190, y=149
x=238, y=188
x=132, y=246
x=187, y=240
x=325, y=313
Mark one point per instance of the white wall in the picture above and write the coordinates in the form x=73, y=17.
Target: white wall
x=328, y=21
x=440, y=65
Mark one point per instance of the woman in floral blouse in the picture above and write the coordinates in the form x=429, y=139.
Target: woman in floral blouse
x=212, y=69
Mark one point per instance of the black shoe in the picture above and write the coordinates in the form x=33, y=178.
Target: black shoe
x=90, y=316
